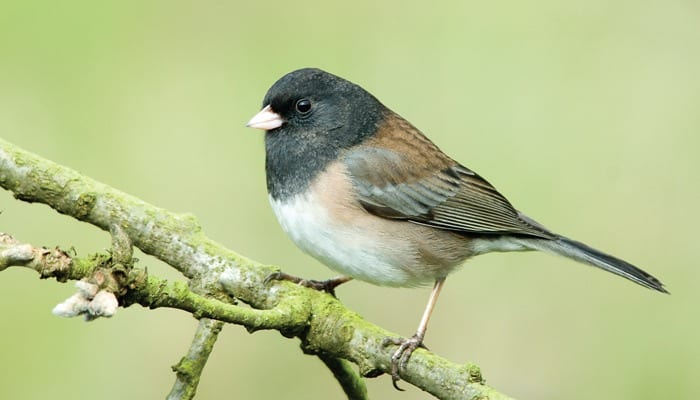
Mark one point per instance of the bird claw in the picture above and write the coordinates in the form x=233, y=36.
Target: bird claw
x=327, y=285
x=399, y=359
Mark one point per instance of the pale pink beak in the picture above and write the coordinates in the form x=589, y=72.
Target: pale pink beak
x=266, y=119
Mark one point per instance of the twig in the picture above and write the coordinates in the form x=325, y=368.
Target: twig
x=352, y=383
x=189, y=370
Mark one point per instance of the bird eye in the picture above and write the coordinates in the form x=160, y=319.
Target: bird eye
x=303, y=106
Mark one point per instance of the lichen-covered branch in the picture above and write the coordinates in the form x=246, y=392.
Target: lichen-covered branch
x=190, y=367
x=54, y=263
x=352, y=383
x=217, y=277
x=100, y=272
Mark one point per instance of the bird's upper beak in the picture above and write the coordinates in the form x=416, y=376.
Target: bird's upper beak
x=266, y=119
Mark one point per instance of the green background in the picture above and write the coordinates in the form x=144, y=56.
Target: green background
x=585, y=114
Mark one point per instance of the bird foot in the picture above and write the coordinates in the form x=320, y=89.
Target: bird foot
x=400, y=357
x=327, y=286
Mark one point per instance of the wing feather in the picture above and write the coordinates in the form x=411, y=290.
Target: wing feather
x=439, y=193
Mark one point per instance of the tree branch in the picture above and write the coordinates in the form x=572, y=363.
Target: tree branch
x=135, y=286
x=217, y=277
x=352, y=383
x=190, y=367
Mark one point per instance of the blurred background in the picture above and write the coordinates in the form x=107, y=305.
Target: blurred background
x=584, y=114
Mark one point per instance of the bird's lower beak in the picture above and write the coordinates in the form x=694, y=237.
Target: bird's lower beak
x=266, y=119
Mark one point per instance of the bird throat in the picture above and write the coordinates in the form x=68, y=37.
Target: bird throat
x=293, y=161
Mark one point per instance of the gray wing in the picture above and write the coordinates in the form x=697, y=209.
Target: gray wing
x=439, y=193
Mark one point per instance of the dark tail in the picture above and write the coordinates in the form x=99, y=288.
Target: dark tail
x=588, y=255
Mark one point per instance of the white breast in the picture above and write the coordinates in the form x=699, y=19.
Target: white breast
x=347, y=246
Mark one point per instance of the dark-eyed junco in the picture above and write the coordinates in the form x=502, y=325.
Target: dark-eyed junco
x=362, y=190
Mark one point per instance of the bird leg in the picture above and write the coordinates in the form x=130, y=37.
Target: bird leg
x=327, y=286
x=407, y=346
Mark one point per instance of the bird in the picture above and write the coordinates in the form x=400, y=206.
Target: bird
x=366, y=193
